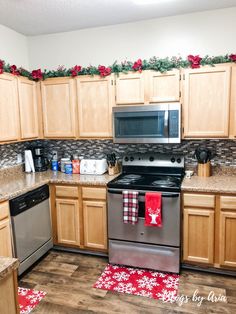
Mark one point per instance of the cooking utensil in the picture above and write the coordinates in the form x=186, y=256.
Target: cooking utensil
x=203, y=155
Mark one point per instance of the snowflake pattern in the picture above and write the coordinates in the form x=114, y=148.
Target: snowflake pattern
x=125, y=288
x=28, y=299
x=120, y=276
x=140, y=282
x=144, y=293
x=171, y=282
x=147, y=283
x=167, y=295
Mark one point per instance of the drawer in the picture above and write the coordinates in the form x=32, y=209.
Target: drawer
x=67, y=191
x=199, y=200
x=94, y=193
x=142, y=255
x=228, y=202
x=4, y=210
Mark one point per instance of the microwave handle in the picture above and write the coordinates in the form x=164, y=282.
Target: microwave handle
x=166, y=120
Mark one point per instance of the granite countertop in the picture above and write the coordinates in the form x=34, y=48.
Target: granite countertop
x=7, y=265
x=17, y=182
x=218, y=183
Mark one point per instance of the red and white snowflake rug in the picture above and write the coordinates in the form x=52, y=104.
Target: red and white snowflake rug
x=146, y=283
x=28, y=299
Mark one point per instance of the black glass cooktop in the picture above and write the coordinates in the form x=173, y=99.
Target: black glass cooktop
x=147, y=182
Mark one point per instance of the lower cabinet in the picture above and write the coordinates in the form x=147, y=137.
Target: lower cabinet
x=209, y=230
x=5, y=231
x=68, y=230
x=95, y=225
x=227, y=231
x=79, y=217
x=199, y=235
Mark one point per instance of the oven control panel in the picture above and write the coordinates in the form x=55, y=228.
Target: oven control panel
x=153, y=159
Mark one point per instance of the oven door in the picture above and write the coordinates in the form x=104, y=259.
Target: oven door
x=147, y=124
x=168, y=234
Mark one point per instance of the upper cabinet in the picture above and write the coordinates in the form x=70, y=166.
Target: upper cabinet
x=130, y=89
x=59, y=108
x=95, y=97
x=9, y=109
x=147, y=87
x=28, y=108
x=164, y=87
x=206, y=102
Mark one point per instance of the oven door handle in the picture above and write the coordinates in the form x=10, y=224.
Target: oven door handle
x=170, y=195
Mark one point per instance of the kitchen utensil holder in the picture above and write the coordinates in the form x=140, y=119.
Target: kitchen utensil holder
x=204, y=170
x=113, y=169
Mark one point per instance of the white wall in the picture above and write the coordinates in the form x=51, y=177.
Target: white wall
x=13, y=47
x=209, y=32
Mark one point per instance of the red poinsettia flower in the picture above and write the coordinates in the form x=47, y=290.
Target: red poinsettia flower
x=75, y=70
x=232, y=57
x=1, y=66
x=104, y=71
x=137, y=66
x=195, y=61
x=37, y=74
x=14, y=70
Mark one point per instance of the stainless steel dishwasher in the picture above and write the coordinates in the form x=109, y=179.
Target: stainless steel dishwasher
x=31, y=226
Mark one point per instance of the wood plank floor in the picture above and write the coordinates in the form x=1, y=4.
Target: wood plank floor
x=68, y=279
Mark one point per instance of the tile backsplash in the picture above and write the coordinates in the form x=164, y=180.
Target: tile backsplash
x=224, y=150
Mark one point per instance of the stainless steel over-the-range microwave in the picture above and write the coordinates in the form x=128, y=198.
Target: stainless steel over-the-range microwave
x=147, y=124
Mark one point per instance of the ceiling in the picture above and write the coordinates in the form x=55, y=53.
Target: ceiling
x=35, y=17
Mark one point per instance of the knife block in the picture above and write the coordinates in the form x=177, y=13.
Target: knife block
x=204, y=170
x=113, y=169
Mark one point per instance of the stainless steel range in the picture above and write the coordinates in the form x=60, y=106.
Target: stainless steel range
x=144, y=246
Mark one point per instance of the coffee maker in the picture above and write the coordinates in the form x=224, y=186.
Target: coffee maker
x=40, y=161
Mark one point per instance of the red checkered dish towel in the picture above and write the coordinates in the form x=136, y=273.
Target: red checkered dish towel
x=130, y=207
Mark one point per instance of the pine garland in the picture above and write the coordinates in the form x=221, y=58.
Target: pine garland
x=157, y=64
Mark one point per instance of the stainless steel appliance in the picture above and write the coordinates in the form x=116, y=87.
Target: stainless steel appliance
x=31, y=226
x=40, y=161
x=147, y=124
x=136, y=245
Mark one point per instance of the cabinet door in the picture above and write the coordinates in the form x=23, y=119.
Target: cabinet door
x=227, y=248
x=68, y=227
x=9, y=110
x=95, y=101
x=59, y=112
x=130, y=89
x=164, y=87
x=5, y=238
x=28, y=108
x=198, y=235
x=95, y=224
x=206, y=102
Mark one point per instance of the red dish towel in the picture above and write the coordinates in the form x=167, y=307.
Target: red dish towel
x=153, y=209
x=130, y=207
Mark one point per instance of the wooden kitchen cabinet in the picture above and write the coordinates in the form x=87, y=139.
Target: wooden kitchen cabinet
x=68, y=222
x=79, y=217
x=227, y=231
x=164, y=87
x=9, y=109
x=130, y=89
x=209, y=230
x=206, y=100
x=59, y=108
x=95, y=224
x=28, y=108
x=9, y=303
x=95, y=97
x=199, y=235
x=5, y=231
